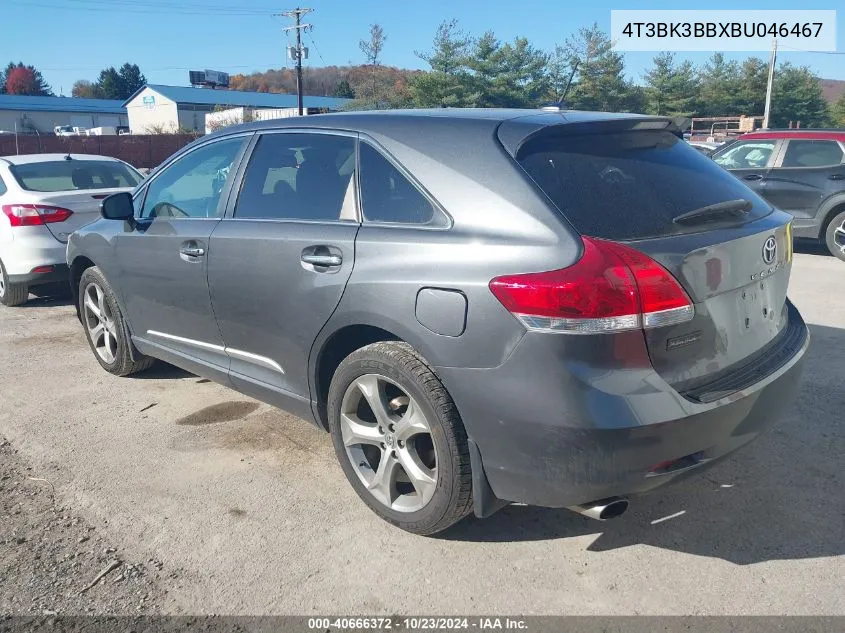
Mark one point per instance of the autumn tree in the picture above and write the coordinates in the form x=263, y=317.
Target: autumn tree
x=84, y=89
x=372, y=49
x=19, y=79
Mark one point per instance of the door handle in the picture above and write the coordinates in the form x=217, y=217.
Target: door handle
x=752, y=177
x=192, y=251
x=322, y=260
x=836, y=177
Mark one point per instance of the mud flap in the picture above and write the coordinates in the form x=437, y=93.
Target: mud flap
x=485, y=501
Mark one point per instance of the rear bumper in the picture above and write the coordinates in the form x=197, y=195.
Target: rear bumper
x=560, y=438
x=30, y=247
x=59, y=273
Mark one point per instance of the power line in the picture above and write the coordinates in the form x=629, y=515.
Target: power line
x=179, y=5
x=161, y=69
x=140, y=10
x=314, y=44
x=801, y=50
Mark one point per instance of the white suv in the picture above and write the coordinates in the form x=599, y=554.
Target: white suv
x=43, y=199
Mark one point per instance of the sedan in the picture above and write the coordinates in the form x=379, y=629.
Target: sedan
x=44, y=198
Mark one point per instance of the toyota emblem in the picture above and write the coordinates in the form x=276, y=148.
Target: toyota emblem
x=770, y=250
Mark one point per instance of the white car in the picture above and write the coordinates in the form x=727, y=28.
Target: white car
x=44, y=198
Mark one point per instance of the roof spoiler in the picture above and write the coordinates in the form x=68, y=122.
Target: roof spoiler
x=513, y=135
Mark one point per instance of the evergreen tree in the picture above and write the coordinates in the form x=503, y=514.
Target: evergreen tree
x=720, y=87
x=838, y=111
x=344, y=90
x=600, y=82
x=797, y=97
x=132, y=79
x=751, y=94
x=447, y=83
x=110, y=84
x=671, y=88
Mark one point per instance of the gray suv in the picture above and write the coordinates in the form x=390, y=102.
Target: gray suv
x=564, y=309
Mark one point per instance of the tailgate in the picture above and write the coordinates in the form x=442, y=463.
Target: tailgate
x=729, y=249
x=737, y=278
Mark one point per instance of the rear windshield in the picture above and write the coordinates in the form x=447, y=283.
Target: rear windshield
x=70, y=175
x=630, y=185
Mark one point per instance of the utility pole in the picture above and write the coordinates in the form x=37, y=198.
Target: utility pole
x=297, y=52
x=770, y=83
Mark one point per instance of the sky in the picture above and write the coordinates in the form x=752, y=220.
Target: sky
x=74, y=39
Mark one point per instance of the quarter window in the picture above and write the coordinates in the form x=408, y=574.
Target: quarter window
x=2, y=187
x=810, y=153
x=300, y=177
x=191, y=187
x=388, y=196
x=746, y=155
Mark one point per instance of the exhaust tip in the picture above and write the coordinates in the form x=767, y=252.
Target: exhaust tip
x=604, y=509
x=613, y=509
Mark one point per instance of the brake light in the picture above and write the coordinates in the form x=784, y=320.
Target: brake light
x=612, y=287
x=35, y=214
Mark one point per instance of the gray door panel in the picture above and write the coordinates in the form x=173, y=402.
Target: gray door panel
x=808, y=173
x=164, y=256
x=270, y=304
x=279, y=262
x=165, y=291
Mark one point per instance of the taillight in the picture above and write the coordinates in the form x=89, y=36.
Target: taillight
x=612, y=287
x=34, y=214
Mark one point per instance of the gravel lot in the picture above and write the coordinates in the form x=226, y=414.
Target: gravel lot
x=224, y=505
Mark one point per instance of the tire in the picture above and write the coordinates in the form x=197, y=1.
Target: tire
x=834, y=236
x=107, y=336
x=441, y=454
x=11, y=294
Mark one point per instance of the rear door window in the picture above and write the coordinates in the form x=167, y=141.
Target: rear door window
x=811, y=153
x=746, y=155
x=294, y=176
x=630, y=185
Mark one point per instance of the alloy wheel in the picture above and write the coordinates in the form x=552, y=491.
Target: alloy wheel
x=839, y=237
x=100, y=323
x=388, y=442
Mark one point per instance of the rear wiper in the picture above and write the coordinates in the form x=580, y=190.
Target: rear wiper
x=713, y=211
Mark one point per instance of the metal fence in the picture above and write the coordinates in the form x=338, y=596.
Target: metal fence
x=140, y=150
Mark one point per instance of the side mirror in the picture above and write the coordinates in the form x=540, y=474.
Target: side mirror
x=118, y=206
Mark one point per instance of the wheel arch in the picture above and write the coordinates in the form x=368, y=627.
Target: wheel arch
x=330, y=353
x=78, y=266
x=832, y=208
